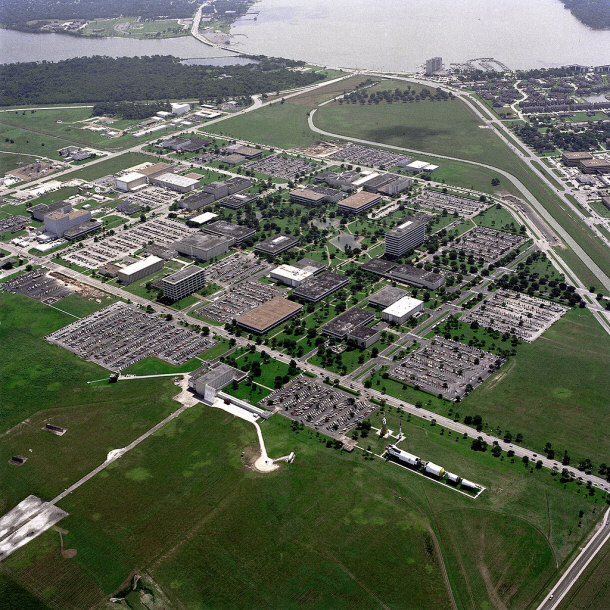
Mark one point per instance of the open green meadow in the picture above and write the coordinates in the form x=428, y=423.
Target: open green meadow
x=110, y=166
x=204, y=529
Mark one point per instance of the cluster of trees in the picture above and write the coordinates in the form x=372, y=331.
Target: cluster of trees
x=130, y=110
x=388, y=96
x=577, y=139
x=106, y=79
x=17, y=15
x=594, y=14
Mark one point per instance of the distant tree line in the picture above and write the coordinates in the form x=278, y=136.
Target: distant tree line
x=106, y=79
x=130, y=110
x=17, y=14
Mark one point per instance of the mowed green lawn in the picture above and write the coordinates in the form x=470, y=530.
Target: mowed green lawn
x=330, y=530
x=442, y=127
x=555, y=390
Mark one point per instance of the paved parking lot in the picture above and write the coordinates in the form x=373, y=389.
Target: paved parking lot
x=511, y=312
x=435, y=200
x=120, y=335
x=486, y=244
x=38, y=286
x=446, y=367
x=370, y=157
x=239, y=299
x=289, y=168
x=234, y=269
x=160, y=231
x=319, y=406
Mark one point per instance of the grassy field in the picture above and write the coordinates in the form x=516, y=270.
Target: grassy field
x=536, y=392
x=539, y=393
x=110, y=166
x=204, y=529
x=80, y=306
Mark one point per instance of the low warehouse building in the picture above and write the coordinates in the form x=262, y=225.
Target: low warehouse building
x=269, y=315
x=175, y=182
x=131, y=181
x=399, y=312
x=319, y=287
x=363, y=336
x=276, y=245
x=387, y=296
x=183, y=283
x=237, y=233
x=347, y=322
x=359, y=202
x=572, y=159
x=140, y=269
x=290, y=275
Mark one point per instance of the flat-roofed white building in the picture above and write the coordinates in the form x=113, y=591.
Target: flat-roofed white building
x=140, y=269
x=180, y=108
x=131, y=181
x=289, y=275
x=401, y=310
x=203, y=218
x=175, y=182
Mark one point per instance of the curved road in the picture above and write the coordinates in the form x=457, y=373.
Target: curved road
x=604, y=279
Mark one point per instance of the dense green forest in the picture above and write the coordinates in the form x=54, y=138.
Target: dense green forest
x=129, y=110
x=16, y=13
x=594, y=13
x=105, y=79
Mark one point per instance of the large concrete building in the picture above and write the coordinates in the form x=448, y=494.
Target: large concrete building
x=388, y=184
x=175, y=182
x=140, y=269
x=407, y=274
x=183, y=283
x=276, y=245
x=348, y=321
x=404, y=308
x=316, y=288
x=410, y=233
x=237, y=233
x=58, y=222
x=359, y=202
x=572, y=159
x=203, y=246
x=269, y=315
x=131, y=181
x=39, y=211
x=433, y=65
x=594, y=166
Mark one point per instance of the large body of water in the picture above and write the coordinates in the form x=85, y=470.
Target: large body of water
x=21, y=46
x=391, y=35
x=397, y=35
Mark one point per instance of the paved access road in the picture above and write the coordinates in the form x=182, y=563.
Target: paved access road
x=578, y=566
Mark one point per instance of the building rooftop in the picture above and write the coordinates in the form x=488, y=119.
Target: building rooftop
x=131, y=176
x=176, y=180
x=269, y=314
x=155, y=169
x=292, y=273
x=308, y=263
x=308, y=194
x=407, y=224
x=363, y=332
x=346, y=322
x=379, y=266
x=387, y=296
x=202, y=218
x=319, y=286
x=402, y=306
x=216, y=375
x=277, y=243
x=358, y=200
x=577, y=155
x=228, y=229
x=204, y=241
x=71, y=215
x=409, y=273
x=183, y=274
x=141, y=264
